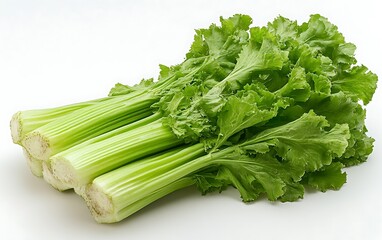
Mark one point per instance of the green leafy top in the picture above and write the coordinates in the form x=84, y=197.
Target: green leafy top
x=287, y=114
x=276, y=106
x=275, y=160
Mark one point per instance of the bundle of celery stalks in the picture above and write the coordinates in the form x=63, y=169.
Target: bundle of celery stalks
x=266, y=110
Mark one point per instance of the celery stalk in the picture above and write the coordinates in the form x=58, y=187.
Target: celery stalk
x=84, y=124
x=115, y=132
x=24, y=122
x=81, y=166
x=119, y=193
x=102, y=215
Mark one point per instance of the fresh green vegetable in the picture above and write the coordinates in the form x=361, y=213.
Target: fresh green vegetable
x=79, y=167
x=23, y=122
x=267, y=110
x=73, y=128
x=272, y=97
x=253, y=167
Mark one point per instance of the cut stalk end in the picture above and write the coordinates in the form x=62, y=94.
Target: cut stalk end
x=37, y=146
x=15, y=126
x=51, y=179
x=81, y=191
x=99, y=204
x=35, y=165
x=64, y=171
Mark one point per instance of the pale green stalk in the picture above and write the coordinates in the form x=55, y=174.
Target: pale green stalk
x=81, y=166
x=24, y=122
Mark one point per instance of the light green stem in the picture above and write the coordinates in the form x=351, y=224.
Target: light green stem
x=87, y=123
x=24, y=122
x=81, y=166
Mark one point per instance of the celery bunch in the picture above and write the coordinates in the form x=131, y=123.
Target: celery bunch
x=267, y=110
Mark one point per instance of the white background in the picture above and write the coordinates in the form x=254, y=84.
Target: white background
x=59, y=52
